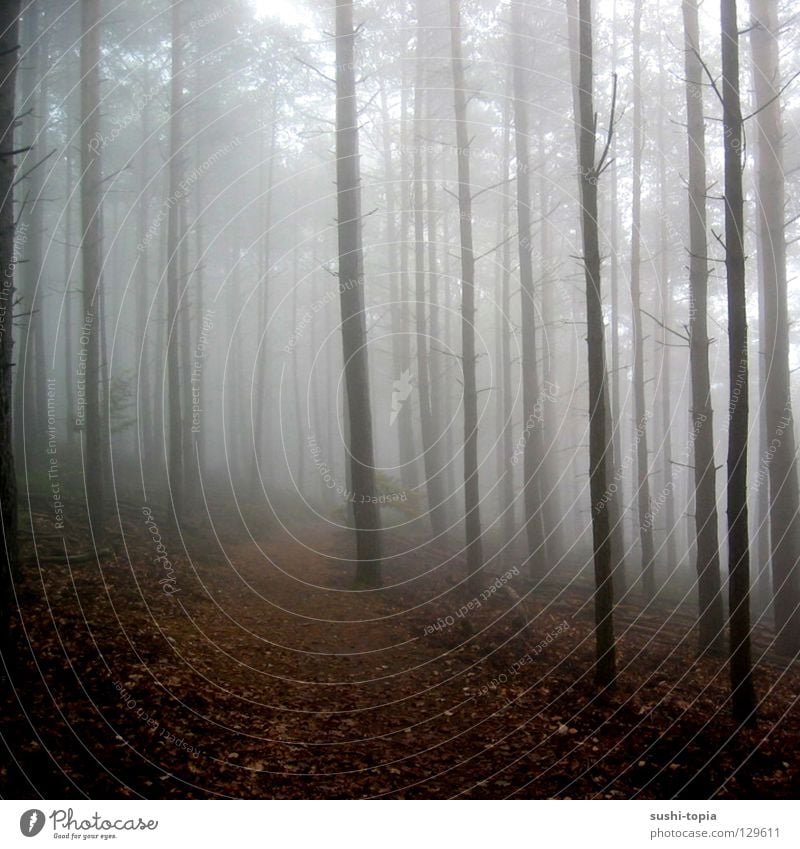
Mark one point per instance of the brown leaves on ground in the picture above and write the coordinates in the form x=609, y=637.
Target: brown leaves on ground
x=264, y=675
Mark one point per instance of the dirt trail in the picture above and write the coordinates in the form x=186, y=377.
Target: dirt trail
x=263, y=674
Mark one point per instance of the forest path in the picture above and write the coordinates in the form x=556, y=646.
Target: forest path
x=261, y=673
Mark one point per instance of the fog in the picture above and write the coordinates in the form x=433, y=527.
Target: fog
x=408, y=298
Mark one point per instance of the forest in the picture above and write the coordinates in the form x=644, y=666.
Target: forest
x=396, y=399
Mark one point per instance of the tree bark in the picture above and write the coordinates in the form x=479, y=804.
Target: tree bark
x=743, y=693
x=351, y=287
x=781, y=451
x=176, y=471
x=9, y=59
x=30, y=386
x=599, y=436
x=665, y=380
x=505, y=400
x=617, y=403
x=94, y=448
x=430, y=436
x=474, y=542
x=261, y=429
x=640, y=413
x=711, y=624
x=531, y=400
x=409, y=471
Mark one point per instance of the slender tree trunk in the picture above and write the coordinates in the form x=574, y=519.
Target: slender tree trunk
x=743, y=693
x=552, y=507
x=640, y=413
x=599, y=434
x=505, y=412
x=175, y=468
x=436, y=360
x=94, y=447
x=261, y=430
x=450, y=451
x=616, y=368
x=390, y=192
x=762, y=521
x=191, y=488
x=351, y=288
x=612, y=472
x=297, y=392
x=9, y=59
x=31, y=369
x=471, y=489
x=197, y=356
x=711, y=625
x=409, y=475
x=531, y=400
x=69, y=326
x=668, y=478
x=233, y=392
x=430, y=440
x=784, y=497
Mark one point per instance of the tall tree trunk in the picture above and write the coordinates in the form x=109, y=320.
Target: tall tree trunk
x=409, y=474
x=430, y=440
x=297, y=392
x=261, y=430
x=351, y=287
x=391, y=235
x=505, y=400
x=711, y=624
x=231, y=370
x=531, y=400
x=175, y=467
x=94, y=446
x=31, y=377
x=471, y=489
x=69, y=333
x=668, y=478
x=9, y=59
x=612, y=473
x=743, y=692
x=640, y=413
x=197, y=355
x=450, y=450
x=552, y=507
x=784, y=497
x=616, y=368
x=436, y=359
x=599, y=433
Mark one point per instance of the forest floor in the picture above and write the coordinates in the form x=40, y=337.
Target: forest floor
x=252, y=670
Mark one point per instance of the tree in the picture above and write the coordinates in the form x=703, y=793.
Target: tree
x=471, y=489
x=534, y=442
x=261, y=430
x=711, y=625
x=351, y=288
x=743, y=693
x=613, y=473
x=31, y=374
x=616, y=368
x=665, y=377
x=9, y=59
x=91, y=244
x=430, y=442
x=504, y=397
x=784, y=496
x=599, y=432
x=640, y=412
x=175, y=447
